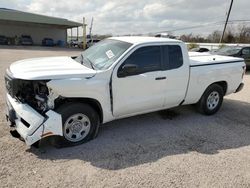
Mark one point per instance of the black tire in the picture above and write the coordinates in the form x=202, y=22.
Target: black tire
x=205, y=107
x=72, y=109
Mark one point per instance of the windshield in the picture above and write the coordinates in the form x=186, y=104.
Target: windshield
x=103, y=54
x=229, y=50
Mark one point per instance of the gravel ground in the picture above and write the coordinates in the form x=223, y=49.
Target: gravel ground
x=175, y=148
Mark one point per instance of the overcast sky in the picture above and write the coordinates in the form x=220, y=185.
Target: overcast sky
x=138, y=16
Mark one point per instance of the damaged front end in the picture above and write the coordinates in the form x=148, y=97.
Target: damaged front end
x=30, y=109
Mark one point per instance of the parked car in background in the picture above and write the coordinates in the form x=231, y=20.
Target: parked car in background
x=3, y=40
x=48, y=42
x=26, y=40
x=92, y=42
x=80, y=44
x=236, y=51
x=165, y=35
x=73, y=43
x=89, y=43
x=199, y=50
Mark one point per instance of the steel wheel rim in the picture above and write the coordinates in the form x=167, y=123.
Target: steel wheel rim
x=213, y=100
x=76, y=127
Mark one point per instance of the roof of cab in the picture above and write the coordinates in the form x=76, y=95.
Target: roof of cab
x=140, y=39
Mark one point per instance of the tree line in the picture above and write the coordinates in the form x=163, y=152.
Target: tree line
x=241, y=34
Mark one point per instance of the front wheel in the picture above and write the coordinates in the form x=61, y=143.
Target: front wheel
x=211, y=100
x=80, y=123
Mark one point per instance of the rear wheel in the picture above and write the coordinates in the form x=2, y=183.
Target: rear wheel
x=211, y=100
x=80, y=123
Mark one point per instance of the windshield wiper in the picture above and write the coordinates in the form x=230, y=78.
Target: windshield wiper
x=89, y=61
x=82, y=59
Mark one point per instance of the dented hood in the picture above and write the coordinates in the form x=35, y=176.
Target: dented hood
x=49, y=68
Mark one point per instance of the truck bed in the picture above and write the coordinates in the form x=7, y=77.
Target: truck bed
x=203, y=59
x=206, y=69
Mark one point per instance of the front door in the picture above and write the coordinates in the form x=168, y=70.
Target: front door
x=137, y=83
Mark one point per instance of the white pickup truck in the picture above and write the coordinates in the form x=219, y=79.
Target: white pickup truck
x=70, y=97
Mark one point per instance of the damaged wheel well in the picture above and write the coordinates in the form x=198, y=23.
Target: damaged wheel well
x=92, y=102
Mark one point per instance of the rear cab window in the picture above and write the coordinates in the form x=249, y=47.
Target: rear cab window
x=172, y=57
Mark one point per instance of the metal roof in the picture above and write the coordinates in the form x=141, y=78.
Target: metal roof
x=19, y=16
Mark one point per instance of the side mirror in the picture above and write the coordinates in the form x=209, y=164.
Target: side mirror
x=127, y=69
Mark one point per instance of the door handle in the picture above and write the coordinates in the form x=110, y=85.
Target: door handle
x=160, y=78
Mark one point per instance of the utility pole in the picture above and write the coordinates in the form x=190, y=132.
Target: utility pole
x=84, y=39
x=90, y=28
x=225, y=26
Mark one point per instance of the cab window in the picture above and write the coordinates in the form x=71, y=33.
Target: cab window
x=172, y=57
x=146, y=59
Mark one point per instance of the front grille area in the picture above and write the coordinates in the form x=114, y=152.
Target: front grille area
x=33, y=93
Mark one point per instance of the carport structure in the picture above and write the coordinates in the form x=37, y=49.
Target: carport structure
x=14, y=23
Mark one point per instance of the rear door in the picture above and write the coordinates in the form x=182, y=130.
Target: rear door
x=176, y=70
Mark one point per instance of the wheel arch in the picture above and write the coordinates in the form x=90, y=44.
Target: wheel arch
x=202, y=105
x=90, y=101
x=223, y=84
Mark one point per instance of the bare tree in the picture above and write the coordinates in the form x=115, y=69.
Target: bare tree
x=215, y=36
x=244, y=34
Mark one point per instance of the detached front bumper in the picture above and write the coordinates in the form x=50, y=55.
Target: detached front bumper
x=31, y=125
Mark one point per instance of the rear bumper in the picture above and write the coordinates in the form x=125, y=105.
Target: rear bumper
x=239, y=88
x=30, y=125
